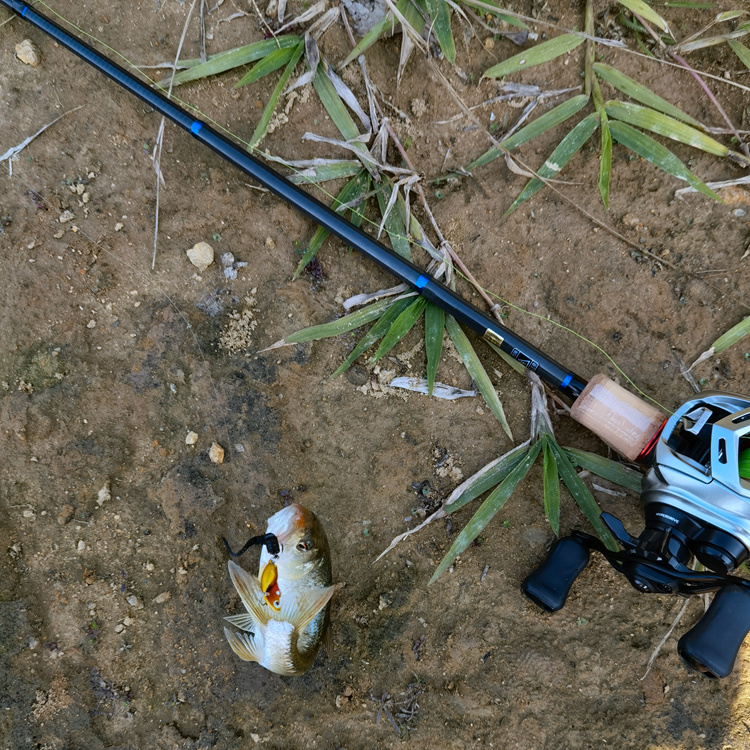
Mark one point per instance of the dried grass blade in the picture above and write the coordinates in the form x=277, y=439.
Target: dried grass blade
x=394, y=309
x=401, y=326
x=605, y=468
x=487, y=477
x=542, y=124
x=657, y=122
x=434, y=330
x=477, y=372
x=582, y=496
x=563, y=153
x=274, y=61
x=349, y=99
x=233, y=58
x=641, y=94
x=647, y=12
x=273, y=100
x=742, y=52
x=551, y=487
x=731, y=337
x=540, y=53
x=443, y=32
x=335, y=327
x=487, y=510
x=712, y=41
x=658, y=155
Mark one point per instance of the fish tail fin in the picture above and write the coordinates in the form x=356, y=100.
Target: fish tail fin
x=302, y=610
x=244, y=645
x=248, y=587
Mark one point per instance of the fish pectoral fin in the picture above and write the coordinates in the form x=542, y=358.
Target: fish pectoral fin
x=244, y=645
x=248, y=587
x=302, y=609
x=243, y=622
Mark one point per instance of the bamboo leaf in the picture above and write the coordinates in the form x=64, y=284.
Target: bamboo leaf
x=563, y=153
x=375, y=333
x=434, y=328
x=477, y=372
x=400, y=327
x=742, y=52
x=641, y=94
x=712, y=41
x=353, y=189
x=487, y=510
x=646, y=12
x=486, y=478
x=732, y=336
x=551, y=487
x=605, y=164
x=232, y=58
x=657, y=122
x=540, y=53
x=582, y=496
x=326, y=172
x=659, y=155
x=273, y=100
x=336, y=108
x=542, y=124
x=337, y=327
x=395, y=221
x=605, y=468
x=442, y=28
x=274, y=61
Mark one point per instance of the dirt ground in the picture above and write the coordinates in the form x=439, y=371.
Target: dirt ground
x=113, y=579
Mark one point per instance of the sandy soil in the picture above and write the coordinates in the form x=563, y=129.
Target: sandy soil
x=114, y=581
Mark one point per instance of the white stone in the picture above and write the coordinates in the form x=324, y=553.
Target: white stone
x=201, y=255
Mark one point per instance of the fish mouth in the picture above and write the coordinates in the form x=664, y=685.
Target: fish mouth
x=288, y=520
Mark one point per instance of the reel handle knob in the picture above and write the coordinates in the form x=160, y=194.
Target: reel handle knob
x=549, y=584
x=712, y=644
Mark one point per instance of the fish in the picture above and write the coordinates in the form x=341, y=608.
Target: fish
x=288, y=603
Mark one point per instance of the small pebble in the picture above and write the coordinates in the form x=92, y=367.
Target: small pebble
x=119, y=226
x=227, y=259
x=27, y=53
x=91, y=324
x=163, y=597
x=128, y=621
x=28, y=514
x=216, y=453
x=119, y=627
x=66, y=216
x=134, y=602
x=103, y=495
x=81, y=545
x=201, y=255
x=191, y=438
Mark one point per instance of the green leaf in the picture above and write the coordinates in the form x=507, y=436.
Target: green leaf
x=341, y=325
x=401, y=326
x=265, y=118
x=375, y=333
x=477, y=372
x=641, y=94
x=540, y=53
x=274, y=61
x=353, y=189
x=487, y=510
x=395, y=221
x=434, y=328
x=741, y=51
x=232, y=58
x=335, y=107
x=605, y=165
x=605, y=468
x=646, y=12
x=657, y=122
x=563, y=153
x=487, y=477
x=489, y=7
x=387, y=24
x=326, y=172
x=542, y=124
x=732, y=336
x=442, y=28
x=551, y=487
x=659, y=155
x=582, y=496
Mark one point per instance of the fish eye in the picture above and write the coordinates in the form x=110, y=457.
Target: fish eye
x=304, y=545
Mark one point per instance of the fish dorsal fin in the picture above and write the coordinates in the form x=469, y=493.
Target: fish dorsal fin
x=248, y=587
x=244, y=645
x=302, y=609
x=243, y=622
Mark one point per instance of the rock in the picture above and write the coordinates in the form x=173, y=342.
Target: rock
x=191, y=438
x=103, y=495
x=163, y=597
x=201, y=255
x=364, y=14
x=66, y=216
x=216, y=453
x=27, y=53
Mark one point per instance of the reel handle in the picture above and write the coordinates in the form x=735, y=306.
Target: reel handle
x=549, y=584
x=712, y=644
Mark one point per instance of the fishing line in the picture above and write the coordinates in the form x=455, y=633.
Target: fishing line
x=420, y=282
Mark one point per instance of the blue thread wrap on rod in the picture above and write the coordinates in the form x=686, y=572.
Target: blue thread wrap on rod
x=553, y=373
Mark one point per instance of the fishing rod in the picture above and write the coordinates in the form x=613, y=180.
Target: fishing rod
x=696, y=491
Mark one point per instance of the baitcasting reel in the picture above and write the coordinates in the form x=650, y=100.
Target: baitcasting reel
x=696, y=498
